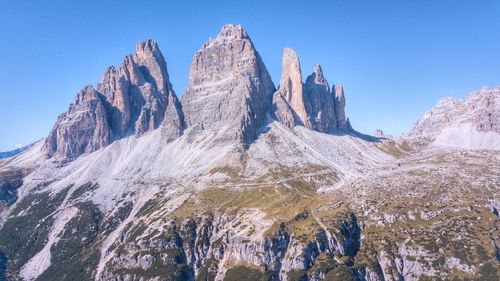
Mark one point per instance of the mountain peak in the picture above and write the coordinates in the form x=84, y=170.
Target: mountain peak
x=87, y=93
x=134, y=99
x=318, y=71
x=290, y=67
x=228, y=85
x=291, y=88
x=146, y=45
x=227, y=34
x=83, y=128
x=465, y=123
x=317, y=77
x=232, y=31
x=311, y=105
x=147, y=48
x=339, y=91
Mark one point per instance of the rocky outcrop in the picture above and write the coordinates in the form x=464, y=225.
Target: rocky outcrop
x=291, y=91
x=321, y=110
x=134, y=99
x=481, y=108
x=342, y=121
x=83, y=128
x=139, y=94
x=230, y=89
x=311, y=104
x=470, y=123
x=229, y=95
x=207, y=248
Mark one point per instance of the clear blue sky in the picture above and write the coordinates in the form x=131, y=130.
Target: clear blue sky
x=396, y=59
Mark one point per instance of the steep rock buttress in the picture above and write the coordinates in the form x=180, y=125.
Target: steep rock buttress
x=311, y=104
x=230, y=89
x=133, y=99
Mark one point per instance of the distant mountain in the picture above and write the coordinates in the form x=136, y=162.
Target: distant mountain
x=14, y=152
x=243, y=180
x=473, y=123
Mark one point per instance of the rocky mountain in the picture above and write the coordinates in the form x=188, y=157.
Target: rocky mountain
x=134, y=99
x=245, y=182
x=229, y=89
x=311, y=104
x=470, y=123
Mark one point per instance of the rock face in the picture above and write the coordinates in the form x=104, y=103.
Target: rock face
x=134, y=99
x=139, y=94
x=230, y=89
x=481, y=108
x=203, y=255
x=291, y=90
x=342, y=121
x=311, y=104
x=473, y=123
x=83, y=128
x=229, y=94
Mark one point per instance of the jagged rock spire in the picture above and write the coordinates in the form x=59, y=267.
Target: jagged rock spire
x=291, y=87
x=318, y=78
x=134, y=99
x=229, y=94
x=311, y=105
x=148, y=56
x=139, y=92
x=342, y=122
x=229, y=87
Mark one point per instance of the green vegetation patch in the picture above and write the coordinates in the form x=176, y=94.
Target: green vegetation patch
x=245, y=273
x=25, y=233
x=76, y=255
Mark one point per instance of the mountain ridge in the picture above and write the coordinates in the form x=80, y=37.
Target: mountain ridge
x=471, y=123
x=227, y=78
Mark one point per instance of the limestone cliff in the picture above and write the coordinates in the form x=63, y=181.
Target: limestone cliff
x=230, y=89
x=311, y=104
x=134, y=99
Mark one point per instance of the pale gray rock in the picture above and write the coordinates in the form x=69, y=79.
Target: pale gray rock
x=321, y=107
x=342, y=121
x=140, y=92
x=229, y=89
x=291, y=88
x=480, y=108
x=134, y=99
x=484, y=108
x=312, y=104
x=283, y=112
x=83, y=128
